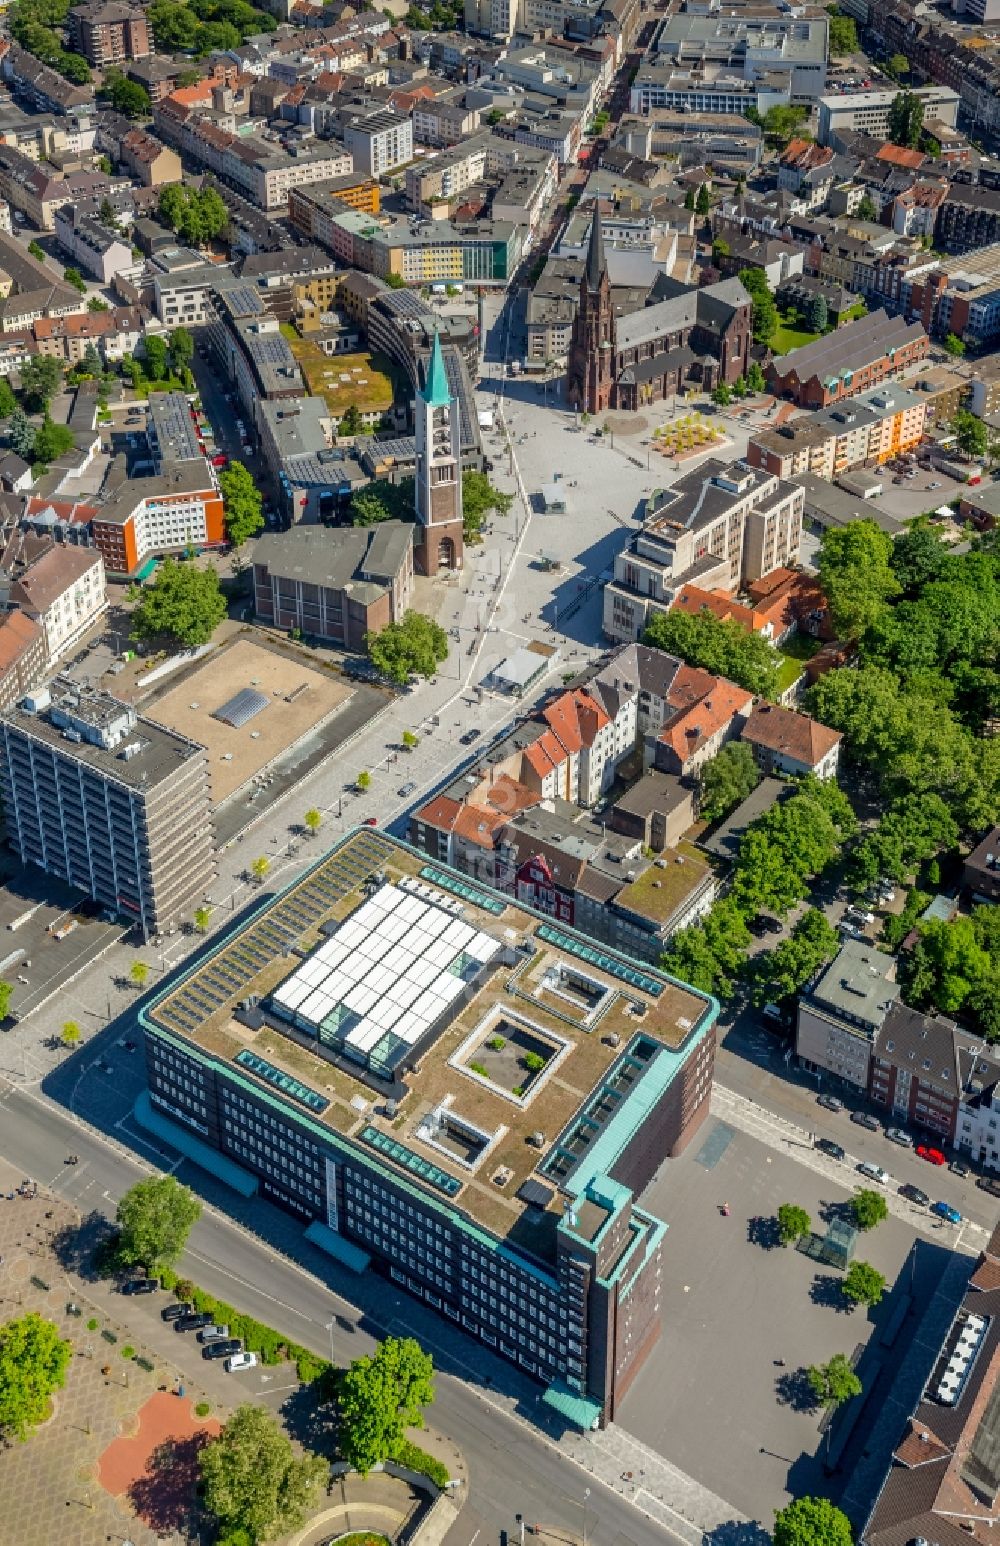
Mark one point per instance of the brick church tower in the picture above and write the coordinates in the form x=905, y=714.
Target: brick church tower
x=592, y=347
x=438, y=484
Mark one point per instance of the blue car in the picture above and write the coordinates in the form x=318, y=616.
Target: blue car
x=945, y=1211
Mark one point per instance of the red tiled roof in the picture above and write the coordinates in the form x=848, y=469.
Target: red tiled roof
x=794, y=735
x=691, y=598
x=18, y=634
x=705, y=715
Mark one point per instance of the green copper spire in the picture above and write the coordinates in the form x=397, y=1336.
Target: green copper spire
x=435, y=393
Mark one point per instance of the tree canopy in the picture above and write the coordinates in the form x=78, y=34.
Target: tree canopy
x=40, y=376
x=971, y=434
x=254, y=1481
x=777, y=974
x=51, y=440
x=154, y=1219
x=906, y=119
x=479, y=497
x=197, y=214
x=183, y=603
x=811, y=1522
x=414, y=647
x=718, y=645
x=383, y=501
x=127, y=96
x=764, y=313
x=868, y=1208
x=242, y=504
x=863, y=1284
x=833, y=1382
x=843, y=35
x=33, y=1363
x=728, y=778
x=856, y=575
x=793, y=1223
x=380, y=1397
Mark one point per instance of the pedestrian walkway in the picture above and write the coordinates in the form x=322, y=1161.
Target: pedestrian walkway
x=778, y=1133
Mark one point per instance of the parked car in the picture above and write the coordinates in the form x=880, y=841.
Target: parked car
x=407, y=788
x=944, y=1210
x=193, y=1320
x=469, y=736
x=958, y=1167
x=140, y=1286
x=932, y=1155
x=830, y=1102
x=240, y=1361
x=850, y=930
x=900, y=1136
x=222, y=1349
x=859, y=915
x=990, y=1184
x=874, y=1172
x=370, y=821
x=220, y=460
x=865, y=1119
x=213, y=1333
x=827, y=1146
x=173, y=1312
x=914, y=1194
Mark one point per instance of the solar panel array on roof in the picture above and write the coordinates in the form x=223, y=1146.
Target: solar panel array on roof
x=390, y=970
x=237, y=710
x=535, y=1193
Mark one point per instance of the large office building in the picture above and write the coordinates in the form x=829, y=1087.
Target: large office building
x=111, y=803
x=868, y=111
x=446, y=1086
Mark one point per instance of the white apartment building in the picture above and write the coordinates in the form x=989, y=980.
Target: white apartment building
x=64, y=592
x=868, y=111
x=379, y=142
x=719, y=527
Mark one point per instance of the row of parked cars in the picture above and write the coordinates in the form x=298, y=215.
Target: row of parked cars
x=214, y=1338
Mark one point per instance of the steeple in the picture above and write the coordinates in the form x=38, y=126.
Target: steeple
x=596, y=264
x=436, y=393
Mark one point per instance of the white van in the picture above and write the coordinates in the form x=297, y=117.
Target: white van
x=240, y=1361
x=771, y=1015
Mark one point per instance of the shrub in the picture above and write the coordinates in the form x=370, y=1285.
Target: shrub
x=496, y=1043
x=477, y=1068
x=168, y=1278
x=416, y=1459
x=518, y=1090
x=184, y=1288
x=533, y=1062
x=203, y=1408
x=308, y=1367
x=128, y=1351
x=93, y=1324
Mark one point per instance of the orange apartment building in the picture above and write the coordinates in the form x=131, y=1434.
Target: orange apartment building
x=866, y=431
x=148, y=517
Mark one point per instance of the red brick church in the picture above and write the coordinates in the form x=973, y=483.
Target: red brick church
x=681, y=336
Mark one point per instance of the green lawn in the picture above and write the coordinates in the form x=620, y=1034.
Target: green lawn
x=788, y=338
x=799, y=648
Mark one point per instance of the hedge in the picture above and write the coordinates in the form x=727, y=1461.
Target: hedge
x=416, y=1459
x=269, y=1344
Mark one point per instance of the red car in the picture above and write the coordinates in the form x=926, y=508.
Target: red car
x=370, y=821
x=933, y=1156
x=220, y=460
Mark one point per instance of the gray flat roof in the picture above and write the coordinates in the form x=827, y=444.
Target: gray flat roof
x=161, y=752
x=856, y=983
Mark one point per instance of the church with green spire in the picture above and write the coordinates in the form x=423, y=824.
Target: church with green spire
x=438, y=483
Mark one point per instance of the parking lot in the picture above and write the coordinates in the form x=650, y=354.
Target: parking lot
x=35, y=911
x=713, y=1397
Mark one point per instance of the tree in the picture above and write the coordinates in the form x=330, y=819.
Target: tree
x=254, y=1481
x=843, y=34
x=352, y=422
x=856, y=575
x=817, y=314
x=834, y=1382
x=128, y=97
x=778, y=973
x=383, y=501
x=242, y=503
x=811, y=1522
x=36, y=251
x=157, y=360
x=363, y=781
x=764, y=311
x=21, y=434
x=8, y=402
x=728, y=778
x=380, y=1397
x=71, y=1033
x=868, y=1208
x=689, y=200
x=479, y=498
x=716, y=644
x=410, y=740
x=971, y=433
x=702, y=203
x=40, y=376
x=721, y=395
x=180, y=348
x=313, y=821
x=867, y=208
x=202, y=918
x=259, y=868
x=139, y=973
x=780, y=123
x=183, y=604
x=794, y=1223
x=953, y=345
x=33, y=1363
x=897, y=65
x=710, y=954
x=52, y=440
x=906, y=118
x=793, y=841
x=909, y=832
x=918, y=557
x=756, y=380
x=720, y=248
x=414, y=647
x=154, y=1219
x=863, y=1284
x=95, y=304
x=73, y=277
x=6, y=991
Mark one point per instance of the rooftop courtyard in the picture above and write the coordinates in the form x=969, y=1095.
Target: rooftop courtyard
x=475, y=1045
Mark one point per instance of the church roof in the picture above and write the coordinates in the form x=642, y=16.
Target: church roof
x=436, y=393
x=596, y=262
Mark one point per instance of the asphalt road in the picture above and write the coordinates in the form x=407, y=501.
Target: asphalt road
x=513, y=1466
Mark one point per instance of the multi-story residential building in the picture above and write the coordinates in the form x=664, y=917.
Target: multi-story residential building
x=95, y=249
x=335, y=585
x=38, y=191
x=444, y=120
x=171, y=433
x=183, y=286
x=438, y=251
x=379, y=141
x=784, y=741
x=108, y=34
x=291, y=278
x=840, y=1015
x=296, y=442
x=112, y=333
x=250, y=348
x=177, y=508
x=531, y=1247
x=843, y=364
x=109, y=802
x=968, y=217
x=41, y=87
x=981, y=872
x=720, y=527
x=868, y=111
x=914, y=1069
x=148, y=160
x=64, y=592
x=22, y=656
x=871, y=429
